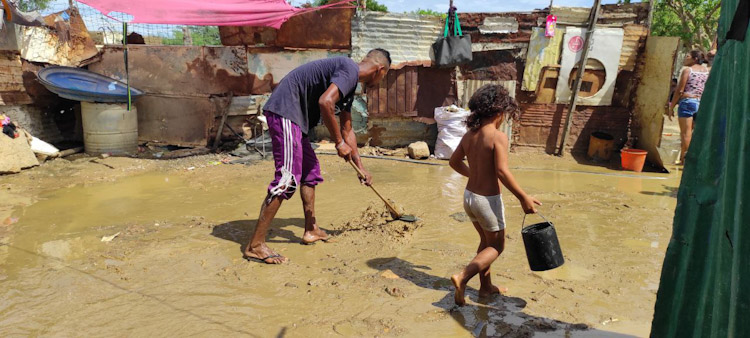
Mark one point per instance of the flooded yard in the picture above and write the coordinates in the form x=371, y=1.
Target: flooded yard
x=175, y=266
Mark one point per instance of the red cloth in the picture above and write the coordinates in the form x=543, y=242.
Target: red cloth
x=270, y=13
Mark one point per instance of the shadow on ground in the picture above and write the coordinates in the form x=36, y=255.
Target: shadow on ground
x=240, y=231
x=494, y=316
x=668, y=191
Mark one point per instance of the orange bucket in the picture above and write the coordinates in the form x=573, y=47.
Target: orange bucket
x=633, y=159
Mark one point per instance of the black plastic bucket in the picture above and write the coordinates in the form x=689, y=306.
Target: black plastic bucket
x=542, y=247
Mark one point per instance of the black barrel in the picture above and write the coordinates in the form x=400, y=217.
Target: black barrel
x=542, y=247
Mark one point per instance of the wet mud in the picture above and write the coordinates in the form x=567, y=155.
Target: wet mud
x=175, y=265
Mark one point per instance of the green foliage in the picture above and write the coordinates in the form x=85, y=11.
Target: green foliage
x=33, y=5
x=201, y=35
x=694, y=21
x=372, y=5
x=430, y=12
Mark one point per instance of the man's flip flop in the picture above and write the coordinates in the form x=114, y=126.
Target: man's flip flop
x=262, y=260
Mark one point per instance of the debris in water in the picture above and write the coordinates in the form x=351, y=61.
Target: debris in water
x=460, y=217
x=109, y=238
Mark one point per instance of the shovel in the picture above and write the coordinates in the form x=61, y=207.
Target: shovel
x=394, y=212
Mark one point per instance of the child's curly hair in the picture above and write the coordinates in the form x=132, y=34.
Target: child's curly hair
x=488, y=101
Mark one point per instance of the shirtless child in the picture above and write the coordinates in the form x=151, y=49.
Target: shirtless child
x=486, y=149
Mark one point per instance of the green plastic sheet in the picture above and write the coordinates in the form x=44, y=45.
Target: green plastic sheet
x=705, y=281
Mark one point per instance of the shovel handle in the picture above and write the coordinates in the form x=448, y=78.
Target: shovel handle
x=392, y=209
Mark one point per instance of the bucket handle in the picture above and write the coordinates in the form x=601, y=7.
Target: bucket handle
x=538, y=213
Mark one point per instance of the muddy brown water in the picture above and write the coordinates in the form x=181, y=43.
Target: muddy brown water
x=175, y=267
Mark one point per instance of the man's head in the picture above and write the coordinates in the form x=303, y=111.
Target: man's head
x=380, y=61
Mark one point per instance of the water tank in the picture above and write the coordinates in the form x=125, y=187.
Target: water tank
x=109, y=128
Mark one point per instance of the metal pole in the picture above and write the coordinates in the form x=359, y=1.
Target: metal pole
x=593, y=17
x=125, y=54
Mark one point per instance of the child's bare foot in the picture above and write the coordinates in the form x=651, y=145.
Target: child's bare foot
x=460, y=288
x=491, y=290
x=263, y=253
x=314, y=235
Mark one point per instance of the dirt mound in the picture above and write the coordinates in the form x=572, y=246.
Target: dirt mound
x=376, y=220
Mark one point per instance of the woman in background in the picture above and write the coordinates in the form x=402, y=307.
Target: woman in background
x=687, y=97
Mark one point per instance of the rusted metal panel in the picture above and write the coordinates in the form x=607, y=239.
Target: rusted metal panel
x=12, y=90
x=540, y=125
x=400, y=132
x=183, y=121
x=491, y=65
x=179, y=70
x=247, y=36
x=266, y=69
x=411, y=92
x=408, y=37
x=69, y=44
x=326, y=29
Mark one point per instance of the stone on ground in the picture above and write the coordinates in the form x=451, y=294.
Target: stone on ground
x=419, y=150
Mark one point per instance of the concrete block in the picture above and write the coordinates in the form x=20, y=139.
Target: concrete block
x=419, y=150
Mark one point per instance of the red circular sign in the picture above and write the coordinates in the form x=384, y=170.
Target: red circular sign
x=575, y=44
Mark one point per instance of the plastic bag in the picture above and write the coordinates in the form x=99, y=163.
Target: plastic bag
x=451, y=128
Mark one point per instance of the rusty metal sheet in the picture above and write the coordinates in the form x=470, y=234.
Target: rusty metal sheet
x=69, y=44
x=266, y=69
x=408, y=37
x=400, y=132
x=491, y=65
x=12, y=90
x=411, y=92
x=176, y=121
x=179, y=70
x=326, y=29
x=247, y=36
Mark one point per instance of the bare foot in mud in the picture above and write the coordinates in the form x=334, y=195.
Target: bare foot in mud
x=491, y=290
x=313, y=236
x=459, y=296
x=264, y=254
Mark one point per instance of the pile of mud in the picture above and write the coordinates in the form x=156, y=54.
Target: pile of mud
x=376, y=220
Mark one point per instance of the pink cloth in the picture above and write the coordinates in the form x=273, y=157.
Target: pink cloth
x=270, y=13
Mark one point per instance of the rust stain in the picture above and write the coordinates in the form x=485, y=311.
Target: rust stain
x=491, y=65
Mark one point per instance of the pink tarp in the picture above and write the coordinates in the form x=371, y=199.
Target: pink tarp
x=270, y=13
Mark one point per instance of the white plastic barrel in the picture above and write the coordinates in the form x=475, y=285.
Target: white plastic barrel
x=109, y=128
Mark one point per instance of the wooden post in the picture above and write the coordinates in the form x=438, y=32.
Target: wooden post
x=187, y=39
x=593, y=17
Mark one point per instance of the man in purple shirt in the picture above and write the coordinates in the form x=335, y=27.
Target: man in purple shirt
x=306, y=95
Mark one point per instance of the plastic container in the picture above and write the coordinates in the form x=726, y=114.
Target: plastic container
x=109, y=128
x=542, y=246
x=633, y=159
x=600, y=146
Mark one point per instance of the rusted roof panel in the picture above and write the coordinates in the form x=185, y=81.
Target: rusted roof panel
x=179, y=70
x=408, y=37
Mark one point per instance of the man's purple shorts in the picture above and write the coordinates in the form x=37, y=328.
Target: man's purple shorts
x=293, y=156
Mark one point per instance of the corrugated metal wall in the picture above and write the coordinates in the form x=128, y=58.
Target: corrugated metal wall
x=407, y=37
